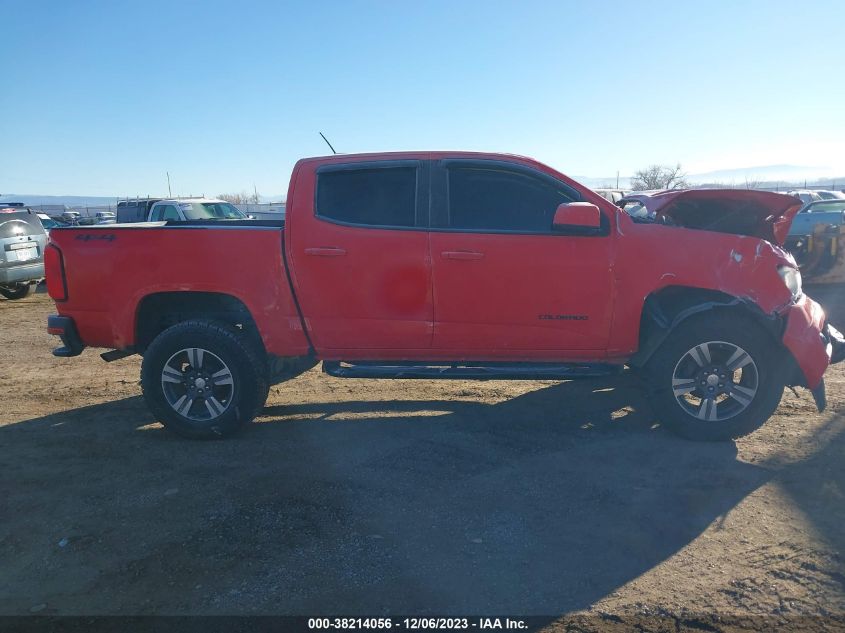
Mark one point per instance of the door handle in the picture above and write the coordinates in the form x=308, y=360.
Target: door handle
x=463, y=255
x=331, y=251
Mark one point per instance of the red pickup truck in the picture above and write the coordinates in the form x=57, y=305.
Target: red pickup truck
x=452, y=265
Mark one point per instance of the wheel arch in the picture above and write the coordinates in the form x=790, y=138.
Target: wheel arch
x=158, y=311
x=667, y=308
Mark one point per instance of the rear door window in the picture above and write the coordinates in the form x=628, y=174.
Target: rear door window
x=384, y=196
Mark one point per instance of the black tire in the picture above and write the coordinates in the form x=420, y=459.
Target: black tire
x=164, y=382
x=680, y=353
x=17, y=291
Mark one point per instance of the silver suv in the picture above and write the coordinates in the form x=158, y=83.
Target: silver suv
x=22, y=242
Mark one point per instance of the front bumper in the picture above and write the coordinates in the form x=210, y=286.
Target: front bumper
x=836, y=340
x=28, y=272
x=65, y=328
x=813, y=343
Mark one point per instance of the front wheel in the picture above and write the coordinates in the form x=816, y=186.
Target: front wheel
x=203, y=380
x=16, y=291
x=716, y=377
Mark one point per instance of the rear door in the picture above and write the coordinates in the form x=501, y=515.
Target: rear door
x=359, y=257
x=505, y=285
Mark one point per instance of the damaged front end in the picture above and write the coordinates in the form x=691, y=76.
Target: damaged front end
x=736, y=211
x=812, y=233
x=835, y=345
x=814, y=344
x=741, y=273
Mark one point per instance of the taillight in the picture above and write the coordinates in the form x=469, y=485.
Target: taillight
x=54, y=270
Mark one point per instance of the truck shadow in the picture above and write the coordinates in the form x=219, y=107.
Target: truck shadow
x=542, y=504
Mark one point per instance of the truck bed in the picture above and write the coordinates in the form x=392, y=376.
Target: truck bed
x=111, y=269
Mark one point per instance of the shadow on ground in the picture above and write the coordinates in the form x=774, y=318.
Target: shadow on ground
x=541, y=504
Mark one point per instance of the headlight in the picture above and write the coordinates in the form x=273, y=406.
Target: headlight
x=791, y=279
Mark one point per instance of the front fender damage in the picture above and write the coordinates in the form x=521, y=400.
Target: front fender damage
x=814, y=344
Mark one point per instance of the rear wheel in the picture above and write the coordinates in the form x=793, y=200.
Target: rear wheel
x=16, y=291
x=716, y=377
x=203, y=379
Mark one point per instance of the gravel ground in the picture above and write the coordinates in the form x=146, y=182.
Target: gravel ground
x=411, y=497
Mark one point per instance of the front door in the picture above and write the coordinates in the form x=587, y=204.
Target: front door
x=505, y=285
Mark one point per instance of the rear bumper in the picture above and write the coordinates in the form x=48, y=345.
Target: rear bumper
x=65, y=328
x=29, y=272
x=813, y=343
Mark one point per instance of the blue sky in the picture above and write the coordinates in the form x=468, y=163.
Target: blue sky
x=102, y=98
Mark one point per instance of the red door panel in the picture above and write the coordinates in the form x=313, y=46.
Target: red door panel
x=376, y=294
x=506, y=285
x=362, y=287
x=510, y=293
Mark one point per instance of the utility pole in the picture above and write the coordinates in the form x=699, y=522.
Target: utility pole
x=169, y=193
x=255, y=190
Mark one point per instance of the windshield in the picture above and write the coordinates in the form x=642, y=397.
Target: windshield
x=210, y=211
x=48, y=223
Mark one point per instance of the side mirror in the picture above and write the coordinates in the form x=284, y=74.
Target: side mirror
x=579, y=218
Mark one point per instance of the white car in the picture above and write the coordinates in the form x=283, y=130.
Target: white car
x=831, y=195
x=181, y=209
x=805, y=195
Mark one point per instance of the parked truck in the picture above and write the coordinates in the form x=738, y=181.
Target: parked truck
x=158, y=209
x=451, y=265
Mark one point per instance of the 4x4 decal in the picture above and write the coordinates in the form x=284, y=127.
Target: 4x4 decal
x=563, y=317
x=87, y=237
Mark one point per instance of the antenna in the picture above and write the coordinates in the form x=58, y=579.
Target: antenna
x=327, y=143
x=169, y=193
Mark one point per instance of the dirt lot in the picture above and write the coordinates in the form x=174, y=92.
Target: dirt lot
x=398, y=497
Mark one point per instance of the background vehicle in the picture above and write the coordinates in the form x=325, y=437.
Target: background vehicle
x=816, y=240
x=183, y=209
x=177, y=209
x=452, y=265
x=22, y=242
x=49, y=223
x=71, y=217
x=830, y=195
x=805, y=195
x=612, y=195
x=12, y=207
x=134, y=210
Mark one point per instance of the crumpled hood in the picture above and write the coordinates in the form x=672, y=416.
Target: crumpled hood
x=741, y=211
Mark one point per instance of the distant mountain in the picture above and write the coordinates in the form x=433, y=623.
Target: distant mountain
x=739, y=175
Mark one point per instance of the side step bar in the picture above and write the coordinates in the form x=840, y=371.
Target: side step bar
x=466, y=371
